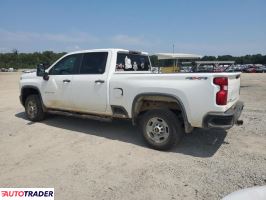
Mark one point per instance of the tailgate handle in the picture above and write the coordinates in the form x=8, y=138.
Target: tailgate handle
x=238, y=76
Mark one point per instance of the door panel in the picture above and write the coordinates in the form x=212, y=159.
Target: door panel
x=57, y=92
x=58, y=89
x=90, y=85
x=90, y=93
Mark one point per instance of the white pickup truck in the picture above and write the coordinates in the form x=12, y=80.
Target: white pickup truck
x=117, y=83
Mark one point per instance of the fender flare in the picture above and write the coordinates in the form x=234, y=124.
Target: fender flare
x=34, y=88
x=188, y=127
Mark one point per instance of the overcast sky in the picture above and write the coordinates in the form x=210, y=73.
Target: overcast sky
x=207, y=27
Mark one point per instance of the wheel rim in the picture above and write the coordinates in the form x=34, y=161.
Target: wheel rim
x=157, y=130
x=32, y=109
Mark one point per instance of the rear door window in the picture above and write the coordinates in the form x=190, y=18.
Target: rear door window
x=132, y=62
x=93, y=63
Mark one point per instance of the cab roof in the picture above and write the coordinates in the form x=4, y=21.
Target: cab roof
x=114, y=50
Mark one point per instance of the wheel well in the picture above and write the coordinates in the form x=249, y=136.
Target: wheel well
x=26, y=92
x=144, y=103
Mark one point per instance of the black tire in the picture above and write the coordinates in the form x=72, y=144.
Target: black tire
x=169, y=126
x=34, y=109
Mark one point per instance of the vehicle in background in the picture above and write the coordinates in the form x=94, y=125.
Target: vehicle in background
x=185, y=69
x=205, y=68
x=28, y=70
x=261, y=69
x=11, y=69
x=220, y=69
x=170, y=62
x=250, y=69
x=212, y=66
x=233, y=68
x=4, y=70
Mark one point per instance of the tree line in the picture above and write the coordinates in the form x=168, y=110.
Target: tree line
x=28, y=60
x=247, y=59
x=31, y=60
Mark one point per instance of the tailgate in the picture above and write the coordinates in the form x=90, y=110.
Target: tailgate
x=233, y=88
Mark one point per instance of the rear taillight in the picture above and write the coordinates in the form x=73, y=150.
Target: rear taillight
x=221, y=95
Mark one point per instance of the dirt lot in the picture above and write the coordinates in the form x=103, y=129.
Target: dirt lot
x=86, y=159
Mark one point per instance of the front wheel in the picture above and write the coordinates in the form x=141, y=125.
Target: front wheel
x=161, y=128
x=33, y=108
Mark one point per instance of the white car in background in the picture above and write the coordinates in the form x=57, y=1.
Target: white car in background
x=253, y=193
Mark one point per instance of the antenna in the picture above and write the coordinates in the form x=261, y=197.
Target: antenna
x=174, y=59
x=173, y=48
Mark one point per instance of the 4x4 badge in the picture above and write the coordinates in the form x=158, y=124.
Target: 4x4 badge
x=197, y=78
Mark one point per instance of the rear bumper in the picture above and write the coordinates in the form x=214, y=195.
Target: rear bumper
x=223, y=120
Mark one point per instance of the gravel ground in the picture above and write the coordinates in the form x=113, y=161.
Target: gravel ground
x=86, y=159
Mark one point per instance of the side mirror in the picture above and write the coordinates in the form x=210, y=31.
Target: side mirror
x=46, y=76
x=41, y=72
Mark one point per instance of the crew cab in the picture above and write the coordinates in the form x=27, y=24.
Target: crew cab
x=116, y=83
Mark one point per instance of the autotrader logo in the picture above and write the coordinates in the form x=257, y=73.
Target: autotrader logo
x=27, y=193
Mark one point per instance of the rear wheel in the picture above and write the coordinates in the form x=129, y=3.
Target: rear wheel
x=33, y=108
x=161, y=128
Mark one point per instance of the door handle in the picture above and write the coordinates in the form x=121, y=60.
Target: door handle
x=66, y=81
x=99, y=81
